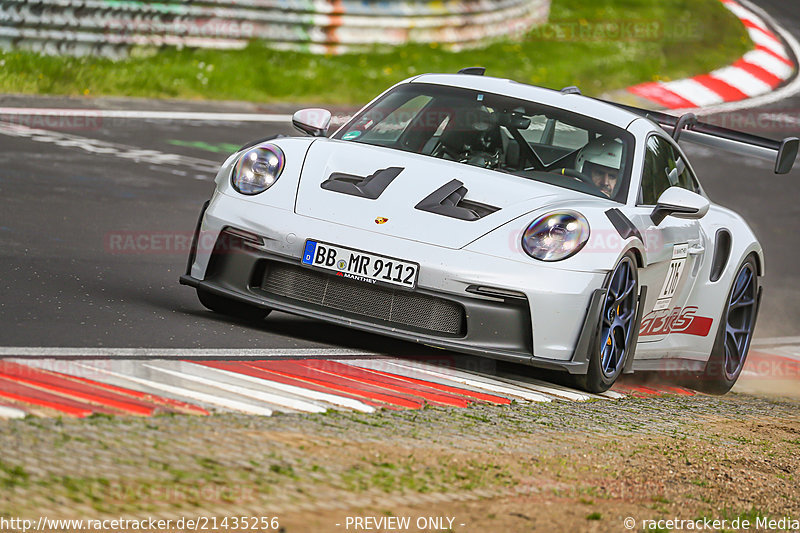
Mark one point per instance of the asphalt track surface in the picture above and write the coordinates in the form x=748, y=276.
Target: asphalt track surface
x=64, y=201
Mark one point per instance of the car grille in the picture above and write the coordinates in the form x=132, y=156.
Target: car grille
x=395, y=307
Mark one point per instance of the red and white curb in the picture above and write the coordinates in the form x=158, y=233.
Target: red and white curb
x=79, y=388
x=757, y=73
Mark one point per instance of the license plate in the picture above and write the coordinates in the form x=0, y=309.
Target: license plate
x=361, y=266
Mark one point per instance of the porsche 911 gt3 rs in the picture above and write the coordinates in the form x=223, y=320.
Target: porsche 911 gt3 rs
x=494, y=218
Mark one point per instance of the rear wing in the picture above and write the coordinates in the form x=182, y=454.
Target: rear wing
x=688, y=128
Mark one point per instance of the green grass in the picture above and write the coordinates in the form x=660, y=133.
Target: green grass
x=12, y=476
x=582, y=45
x=409, y=475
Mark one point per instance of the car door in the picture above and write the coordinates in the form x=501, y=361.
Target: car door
x=674, y=248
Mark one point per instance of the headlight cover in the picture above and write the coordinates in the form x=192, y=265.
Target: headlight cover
x=257, y=169
x=556, y=236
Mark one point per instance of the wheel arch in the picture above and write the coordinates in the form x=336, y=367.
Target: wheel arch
x=753, y=249
x=637, y=255
x=759, y=262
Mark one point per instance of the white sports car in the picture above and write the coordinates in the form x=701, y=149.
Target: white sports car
x=494, y=218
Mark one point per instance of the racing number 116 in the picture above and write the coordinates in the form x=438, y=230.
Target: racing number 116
x=673, y=277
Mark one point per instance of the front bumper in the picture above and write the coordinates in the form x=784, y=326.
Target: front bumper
x=548, y=328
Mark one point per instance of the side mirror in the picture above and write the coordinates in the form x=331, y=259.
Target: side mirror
x=680, y=203
x=312, y=121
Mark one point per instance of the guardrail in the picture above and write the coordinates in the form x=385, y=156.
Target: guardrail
x=112, y=27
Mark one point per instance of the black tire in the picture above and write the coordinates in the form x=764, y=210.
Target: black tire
x=724, y=366
x=226, y=306
x=606, y=361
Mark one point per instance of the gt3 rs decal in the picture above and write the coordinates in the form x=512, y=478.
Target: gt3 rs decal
x=664, y=321
x=679, y=254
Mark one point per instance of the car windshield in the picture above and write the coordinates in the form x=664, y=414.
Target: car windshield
x=500, y=133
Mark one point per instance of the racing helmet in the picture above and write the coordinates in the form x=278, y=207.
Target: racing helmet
x=603, y=153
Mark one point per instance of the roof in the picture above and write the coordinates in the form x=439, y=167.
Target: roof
x=576, y=103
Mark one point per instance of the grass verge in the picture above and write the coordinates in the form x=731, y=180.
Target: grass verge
x=560, y=466
x=599, y=46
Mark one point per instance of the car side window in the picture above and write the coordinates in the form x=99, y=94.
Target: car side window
x=660, y=169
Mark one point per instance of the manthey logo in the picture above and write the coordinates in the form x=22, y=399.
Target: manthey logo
x=381, y=220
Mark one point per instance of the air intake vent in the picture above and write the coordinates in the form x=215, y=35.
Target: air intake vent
x=448, y=200
x=383, y=306
x=722, y=251
x=369, y=187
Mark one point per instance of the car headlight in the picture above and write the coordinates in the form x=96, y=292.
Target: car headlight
x=555, y=236
x=257, y=169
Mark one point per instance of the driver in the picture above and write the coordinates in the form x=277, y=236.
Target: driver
x=601, y=159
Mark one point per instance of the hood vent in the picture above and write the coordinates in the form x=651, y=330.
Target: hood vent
x=448, y=200
x=369, y=187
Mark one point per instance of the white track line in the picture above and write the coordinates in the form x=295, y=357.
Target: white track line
x=614, y=395
x=145, y=115
x=382, y=366
x=260, y=395
x=99, y=146
x=183, y=393
x=789, y=352
x=468, y=379
x=774, y=341
x=547, y=388
x=298, y=391
x=183, y=353
x=10, y=412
